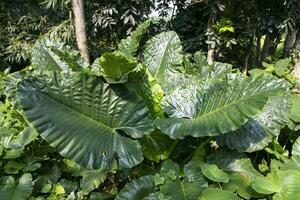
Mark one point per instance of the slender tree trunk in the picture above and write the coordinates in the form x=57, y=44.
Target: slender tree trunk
x=248, y=55
x=80, y=29
x=211, y=47
x=297, y=41
x=289, y=42
x=258, y=55
x=266, y=47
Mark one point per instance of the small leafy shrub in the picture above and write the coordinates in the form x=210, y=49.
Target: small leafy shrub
x=146, y=122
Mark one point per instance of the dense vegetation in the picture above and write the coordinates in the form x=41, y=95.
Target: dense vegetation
x=153, y=117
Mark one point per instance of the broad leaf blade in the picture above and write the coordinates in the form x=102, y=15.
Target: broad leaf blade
x=218, y=109
x=129, y=46
x=81, y=117
x=54, y=55
x=10, y=190
x=138, y=189
x=259, y=130
x=163, y=57
x=216, y=194
x=115, y=67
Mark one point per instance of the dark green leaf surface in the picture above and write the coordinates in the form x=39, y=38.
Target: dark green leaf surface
x=223, y=107
x=189, y=188
x=82, y=117
x=259, y=130
x=10, y=190
x=138, y=189
x=241, y=172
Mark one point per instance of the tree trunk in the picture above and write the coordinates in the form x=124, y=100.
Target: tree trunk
x=80, y=29
x=297, y=41
x=258, y=58
x=266, y=48
x=289, y=42
x=247, y=56
x=211, y=47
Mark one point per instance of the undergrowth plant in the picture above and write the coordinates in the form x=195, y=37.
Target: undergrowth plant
x=146, y=122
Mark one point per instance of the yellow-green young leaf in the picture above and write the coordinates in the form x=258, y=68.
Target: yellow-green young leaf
x=59, y=189
x=281, y=66
x=295, y=110
x=218, y=194
x=115, y=67
x=213, y=173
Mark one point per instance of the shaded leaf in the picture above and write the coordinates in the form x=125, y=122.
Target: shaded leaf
x=10, y=190
x=259, y=130
x=137, y=189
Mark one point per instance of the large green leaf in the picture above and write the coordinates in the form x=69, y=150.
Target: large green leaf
x=241, y=172
x=148, y=88
x=85, y=118
x=163, y=57
x=259, y=131
x=138, y=189
x=91, y=179
x=222, y=107
x=10, y=190
x=285, y=185
x=128, y=47
x=213, y=173
x=115, y=67
x=54, y=55
x=157, y=146
x=216, y=194
x=189, y=188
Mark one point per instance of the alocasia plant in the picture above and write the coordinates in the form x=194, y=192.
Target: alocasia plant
x=137, y=106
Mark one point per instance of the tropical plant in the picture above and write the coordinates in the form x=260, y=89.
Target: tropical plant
x=146, y=122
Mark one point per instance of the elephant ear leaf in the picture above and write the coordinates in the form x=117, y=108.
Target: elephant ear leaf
x=200, y=110
x=138, y=189
x=86, y=119
x=129, y=46
x=284, y=183
x=163, y=56
x=115, y=67
x=54, y=55
x=259, y=130
x=10, y=190
x=215, y=194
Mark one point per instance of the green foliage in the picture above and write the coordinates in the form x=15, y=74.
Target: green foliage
x=146, y=122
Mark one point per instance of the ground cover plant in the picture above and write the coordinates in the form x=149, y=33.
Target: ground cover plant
x=147, y=122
